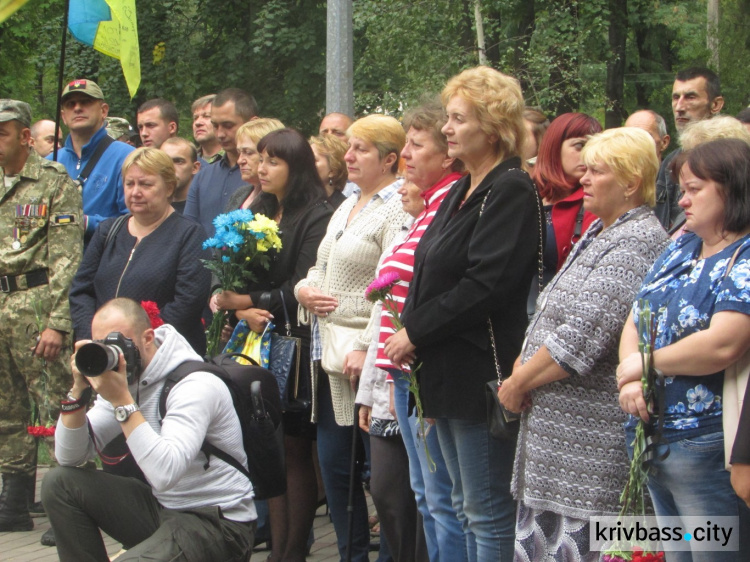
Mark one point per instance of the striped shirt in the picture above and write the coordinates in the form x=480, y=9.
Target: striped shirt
x=401, y=261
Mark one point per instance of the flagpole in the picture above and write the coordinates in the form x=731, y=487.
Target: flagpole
x=60, y=77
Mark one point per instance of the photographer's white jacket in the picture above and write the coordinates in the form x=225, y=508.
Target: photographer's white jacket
x=169, y=455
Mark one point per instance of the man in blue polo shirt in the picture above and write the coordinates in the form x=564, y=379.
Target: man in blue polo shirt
x=90, y=156
x=215, y=183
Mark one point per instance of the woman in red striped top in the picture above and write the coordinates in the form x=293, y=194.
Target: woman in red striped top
x=429, y=167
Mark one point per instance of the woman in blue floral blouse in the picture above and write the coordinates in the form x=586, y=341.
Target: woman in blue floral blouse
x=699, y=289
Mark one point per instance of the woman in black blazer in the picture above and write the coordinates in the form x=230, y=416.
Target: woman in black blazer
x=473, y=269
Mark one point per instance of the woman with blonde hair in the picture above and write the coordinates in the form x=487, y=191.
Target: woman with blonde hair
x=334, y=293
x=248, y=137
x=466, y=310
x=153, y=254
x=563, y=378
x=329, y=151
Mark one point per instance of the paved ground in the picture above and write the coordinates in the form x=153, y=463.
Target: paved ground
x=25, y=547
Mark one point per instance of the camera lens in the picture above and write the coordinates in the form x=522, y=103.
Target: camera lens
x=94, y=358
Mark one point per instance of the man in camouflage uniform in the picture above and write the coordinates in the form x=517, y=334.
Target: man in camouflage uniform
x=40, y=250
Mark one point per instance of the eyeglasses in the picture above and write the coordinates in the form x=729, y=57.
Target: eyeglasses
x=83, y=101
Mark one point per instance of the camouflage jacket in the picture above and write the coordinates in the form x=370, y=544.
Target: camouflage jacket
x=40, y=228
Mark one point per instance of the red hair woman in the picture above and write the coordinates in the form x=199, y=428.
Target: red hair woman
x=557, y=175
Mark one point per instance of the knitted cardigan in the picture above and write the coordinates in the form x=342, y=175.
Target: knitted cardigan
x=571, y=457
x=347, y=258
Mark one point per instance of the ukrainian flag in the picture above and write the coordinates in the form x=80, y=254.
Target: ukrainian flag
x=110, y=27
x=9, y=7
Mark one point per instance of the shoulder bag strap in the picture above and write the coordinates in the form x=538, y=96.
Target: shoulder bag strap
x=734, y=258
x=540, y=217
x=579, y=224
x=115, y=228
x=287, y=323
x=95, y=157
x=179, y=373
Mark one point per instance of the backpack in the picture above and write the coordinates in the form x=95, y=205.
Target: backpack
x=255, y=396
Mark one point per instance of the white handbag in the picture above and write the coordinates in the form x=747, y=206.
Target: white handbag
x=733, y=393
x=337, y=342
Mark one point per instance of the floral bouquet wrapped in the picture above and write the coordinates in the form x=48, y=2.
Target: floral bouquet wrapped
x=633, y=497
x=381, y=290
x=241, y=244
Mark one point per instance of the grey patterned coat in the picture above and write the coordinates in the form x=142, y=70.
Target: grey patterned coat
x=571, y=457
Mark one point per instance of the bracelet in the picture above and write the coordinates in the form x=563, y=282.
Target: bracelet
x=71, y=405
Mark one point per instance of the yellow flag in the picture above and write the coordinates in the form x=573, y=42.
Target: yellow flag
x=118, y=38
x=9, y=7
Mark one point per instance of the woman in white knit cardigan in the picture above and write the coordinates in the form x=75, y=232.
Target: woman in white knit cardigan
x=334, y=292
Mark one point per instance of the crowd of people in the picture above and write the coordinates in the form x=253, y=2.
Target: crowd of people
x=517, y=248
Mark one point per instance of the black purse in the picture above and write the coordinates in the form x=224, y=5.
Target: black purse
x=284, y=362
x=502, y=423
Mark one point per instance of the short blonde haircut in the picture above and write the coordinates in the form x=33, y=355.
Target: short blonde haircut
x=256, y=129
x=497, y=102
x=707, y=130
x=384, y=132
x=155, y=162
x=630, y=153
x=333, y=149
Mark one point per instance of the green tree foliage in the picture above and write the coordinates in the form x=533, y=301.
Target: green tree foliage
x=559, y=49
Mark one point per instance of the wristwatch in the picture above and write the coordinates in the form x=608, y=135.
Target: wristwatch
x=122, y=413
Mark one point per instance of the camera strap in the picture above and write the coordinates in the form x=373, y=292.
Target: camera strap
x=109, y=461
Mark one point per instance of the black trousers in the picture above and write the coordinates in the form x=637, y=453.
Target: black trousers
x=81, y=501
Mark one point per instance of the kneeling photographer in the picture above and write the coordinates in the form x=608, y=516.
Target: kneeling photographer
x=189, y=510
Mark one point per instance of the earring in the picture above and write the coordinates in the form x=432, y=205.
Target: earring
x=330, y=181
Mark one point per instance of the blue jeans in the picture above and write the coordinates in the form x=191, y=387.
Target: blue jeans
x=692, y=481
x=480, y=468
x=334, y=454
x=443, y=531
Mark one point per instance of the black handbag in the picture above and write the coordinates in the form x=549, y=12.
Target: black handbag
x=502, y=423
x=284, y=362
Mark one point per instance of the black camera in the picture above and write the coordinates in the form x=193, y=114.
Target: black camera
x=98, y=356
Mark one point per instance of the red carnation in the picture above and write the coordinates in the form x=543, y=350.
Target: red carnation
x=154, y=314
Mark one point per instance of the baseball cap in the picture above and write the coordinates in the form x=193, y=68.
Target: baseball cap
x=87, y=87
x=14, y=109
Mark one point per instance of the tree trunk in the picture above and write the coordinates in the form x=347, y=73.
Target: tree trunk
x=618, y=30
x=480, y=31
x=520, y=38
x=712, y=34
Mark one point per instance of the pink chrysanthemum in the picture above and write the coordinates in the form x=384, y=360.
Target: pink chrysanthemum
x=381, y=286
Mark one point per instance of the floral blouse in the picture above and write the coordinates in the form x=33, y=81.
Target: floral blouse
x=685, y=292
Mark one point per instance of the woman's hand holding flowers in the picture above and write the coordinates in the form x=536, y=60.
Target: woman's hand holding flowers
x=399, y=349
x=632, y=401
x=630, y=369
x=229, y=300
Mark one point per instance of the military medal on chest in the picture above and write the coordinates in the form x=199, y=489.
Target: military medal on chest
x=27, y=218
